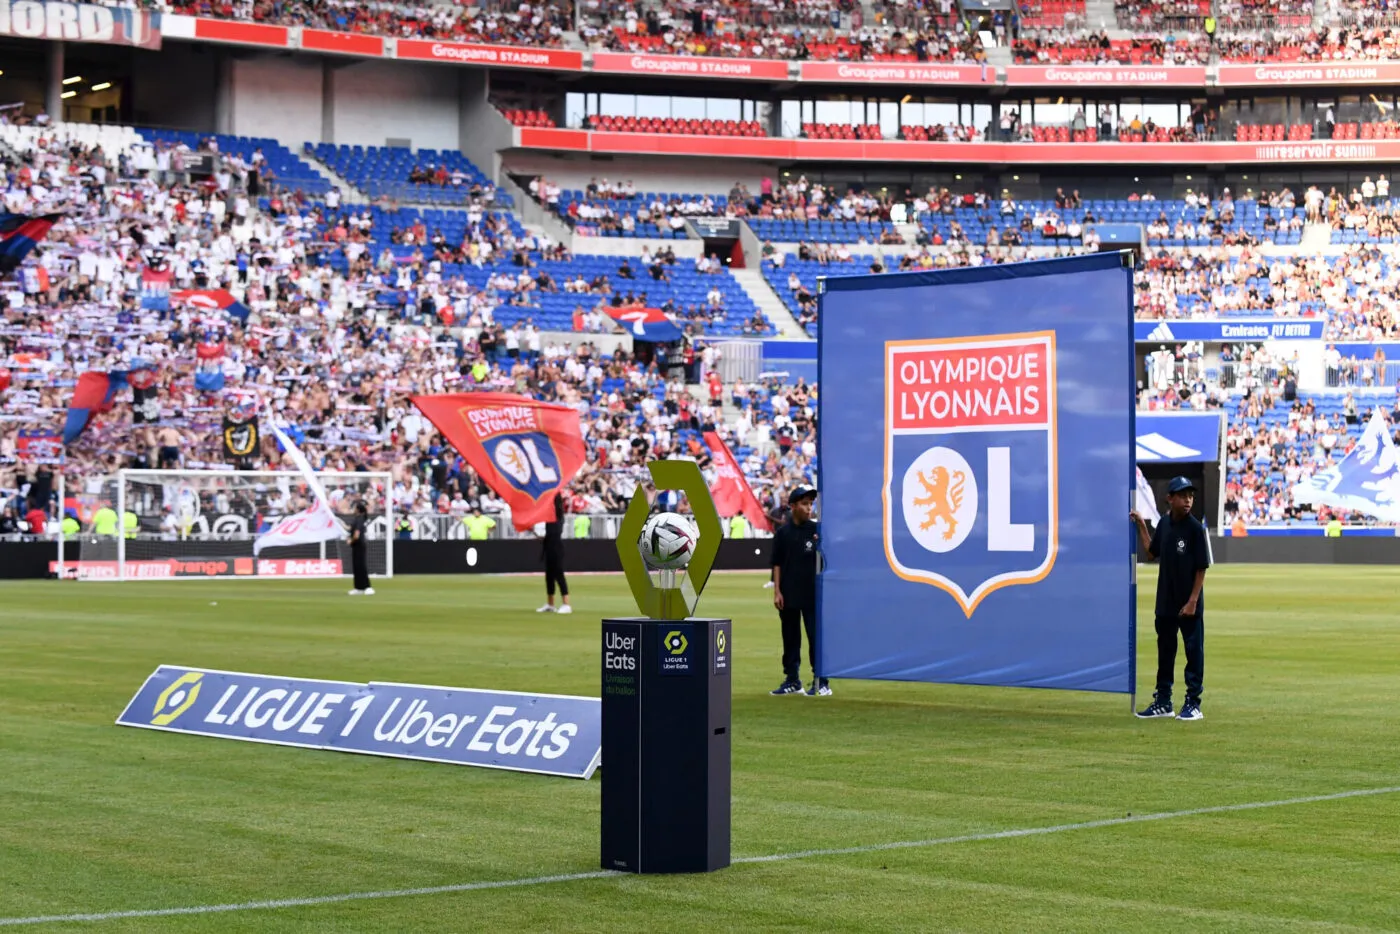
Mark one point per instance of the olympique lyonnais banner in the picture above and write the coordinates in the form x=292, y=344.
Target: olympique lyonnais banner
x=690, y=66
x=549, y=734
x=461, y=53
x=891, y=150
x=1225, y=329
x=1308, y=73
x=79, y=22
x=1135, y=76
x=897, y=73
x=169, y=568
x=976, y=461
x=524, y=450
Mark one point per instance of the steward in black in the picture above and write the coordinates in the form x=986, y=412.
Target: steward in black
x=1182, y=544
x=795, y=548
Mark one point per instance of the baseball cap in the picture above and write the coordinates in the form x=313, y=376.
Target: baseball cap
x=1180, y=485
x=802, y=491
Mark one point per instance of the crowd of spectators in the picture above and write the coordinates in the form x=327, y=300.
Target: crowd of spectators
x=324, y=347
x=509, y=23
x=1170, y=31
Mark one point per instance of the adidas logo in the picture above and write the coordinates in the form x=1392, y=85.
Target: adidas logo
x=1161, y=333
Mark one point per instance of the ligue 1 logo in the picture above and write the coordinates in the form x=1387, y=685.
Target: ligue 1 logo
x=177, y=698
x=970, y=462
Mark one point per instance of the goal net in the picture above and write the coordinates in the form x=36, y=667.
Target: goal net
x=203, y=523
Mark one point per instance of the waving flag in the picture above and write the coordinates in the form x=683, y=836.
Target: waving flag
x=1366, y=481
x=1146, y=500
x=524, y=450
x=646, y=324
x=34, y=280
x=93, y=395
x=317, y=524
x=19, y=235
x=212, y=300
x=731, y=491
x=155, y=288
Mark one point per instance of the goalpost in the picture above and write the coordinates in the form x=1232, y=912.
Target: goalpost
x=203, y=523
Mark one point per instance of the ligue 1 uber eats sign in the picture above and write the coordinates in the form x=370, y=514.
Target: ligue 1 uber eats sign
x=546, y=733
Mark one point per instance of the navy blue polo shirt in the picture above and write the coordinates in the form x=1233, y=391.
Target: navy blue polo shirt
x=1182, y=548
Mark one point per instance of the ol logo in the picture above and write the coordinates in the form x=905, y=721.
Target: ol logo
x=178, y=697
x=525, y=460
x=676, y=642
x=971, y=473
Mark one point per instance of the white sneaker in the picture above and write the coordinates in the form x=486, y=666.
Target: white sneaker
x=768, y=586
x=547, y=608
x=565, y=610
x=357, y=593
x=369, y=592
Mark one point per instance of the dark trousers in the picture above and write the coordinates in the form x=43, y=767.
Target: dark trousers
x=795, y=619
x=1193, y=636
x=554, y=573
x=359, y=563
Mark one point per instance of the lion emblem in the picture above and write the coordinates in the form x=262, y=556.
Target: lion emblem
x=939, y=500
x=944, y=498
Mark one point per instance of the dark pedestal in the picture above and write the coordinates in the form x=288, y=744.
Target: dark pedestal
x=666, y=745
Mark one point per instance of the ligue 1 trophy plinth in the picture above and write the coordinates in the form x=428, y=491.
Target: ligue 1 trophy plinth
x=666, y=693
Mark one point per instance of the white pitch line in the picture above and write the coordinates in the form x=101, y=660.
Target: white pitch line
x=605, y=874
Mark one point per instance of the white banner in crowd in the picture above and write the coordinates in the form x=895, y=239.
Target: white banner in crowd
x=1366, y=481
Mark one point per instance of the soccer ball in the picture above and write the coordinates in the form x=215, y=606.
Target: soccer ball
x=668, y=541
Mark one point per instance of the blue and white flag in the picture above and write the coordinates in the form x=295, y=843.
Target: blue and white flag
x=1366, y=481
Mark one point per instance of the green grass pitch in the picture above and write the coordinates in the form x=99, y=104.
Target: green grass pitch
x=1303, y=676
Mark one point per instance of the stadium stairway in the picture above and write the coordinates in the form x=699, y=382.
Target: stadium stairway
x=758, y=289
x=537, y=216
x=1100, y=14
x=1316, y=239
x=349, y=194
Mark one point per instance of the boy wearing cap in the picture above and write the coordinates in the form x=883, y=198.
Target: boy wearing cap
x=795, y=547
x=1183, y=546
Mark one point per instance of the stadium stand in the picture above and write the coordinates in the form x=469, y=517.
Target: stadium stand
x=528, y=117
x=670, y=125
x=421, y=176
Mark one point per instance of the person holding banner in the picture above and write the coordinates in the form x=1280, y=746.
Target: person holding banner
x=554, y=561
x=1182, y=544
x=359, y=557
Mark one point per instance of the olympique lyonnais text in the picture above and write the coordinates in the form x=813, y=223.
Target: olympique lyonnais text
x=507, y=418
x=969, y=386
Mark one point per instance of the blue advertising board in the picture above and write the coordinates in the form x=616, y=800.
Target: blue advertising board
x=976, y=475
x=1226, y=330
x=546, y=733
x=1178, y=438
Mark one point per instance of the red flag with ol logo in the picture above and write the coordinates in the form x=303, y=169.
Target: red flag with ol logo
x=731, y=491
x=524, y=450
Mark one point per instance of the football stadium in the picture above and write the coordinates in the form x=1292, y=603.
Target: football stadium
x=449, y=485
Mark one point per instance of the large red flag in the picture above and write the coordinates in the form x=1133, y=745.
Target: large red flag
x=731, y=492
x=524, y=450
